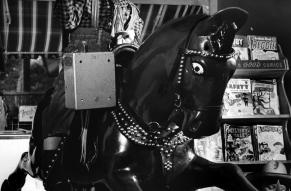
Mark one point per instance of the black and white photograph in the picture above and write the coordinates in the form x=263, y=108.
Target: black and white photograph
x=145, y=95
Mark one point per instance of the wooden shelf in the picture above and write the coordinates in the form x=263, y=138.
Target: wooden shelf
x=282, y=116
x=256, y=118
x=257, y=165
x=262, y=68
x=252, y=166
x=14, y=135
x=257, y=162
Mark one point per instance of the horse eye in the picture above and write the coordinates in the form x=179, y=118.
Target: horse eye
x=197, y=68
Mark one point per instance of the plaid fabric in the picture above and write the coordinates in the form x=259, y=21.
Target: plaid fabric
x=106, y=15
x=138, y=26
x=73, y=13
x=70, y=12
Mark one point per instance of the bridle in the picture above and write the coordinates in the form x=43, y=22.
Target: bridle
x=178, y=71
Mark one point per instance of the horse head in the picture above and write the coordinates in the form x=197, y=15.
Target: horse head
x=177, y=78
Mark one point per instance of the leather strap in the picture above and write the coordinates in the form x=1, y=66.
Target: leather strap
x=51, y=143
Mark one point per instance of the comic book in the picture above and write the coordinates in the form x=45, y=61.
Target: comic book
x=26, y=113
x=263, y=47
x=210, y=147
x=237, y=99
x=265, y=97
x=240, y=46
x=270, y=142
x=238, y=143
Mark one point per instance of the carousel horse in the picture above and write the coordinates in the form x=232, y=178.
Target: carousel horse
x=169, y=94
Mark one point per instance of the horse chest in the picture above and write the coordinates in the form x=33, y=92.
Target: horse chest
x=181, y=158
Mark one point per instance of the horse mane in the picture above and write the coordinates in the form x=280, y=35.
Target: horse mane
x=161, y=48
x=148, y=73
x=166, y=39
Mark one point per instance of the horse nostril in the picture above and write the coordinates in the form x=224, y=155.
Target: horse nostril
x=206, y=47
x=195, y=127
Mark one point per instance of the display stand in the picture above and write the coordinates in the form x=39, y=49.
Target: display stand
x=269, y=69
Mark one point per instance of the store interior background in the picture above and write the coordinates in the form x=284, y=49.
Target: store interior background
x=266, y=17
x=269, y=18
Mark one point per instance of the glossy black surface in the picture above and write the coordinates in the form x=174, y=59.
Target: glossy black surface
x=149, y=92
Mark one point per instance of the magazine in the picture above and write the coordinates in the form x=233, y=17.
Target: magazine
x=237, y=99
x=265, y=97
x=263, y=47
x=238, y=144
x=270, y=142
x=240, y=46
x=26, y=113
x=210, y=147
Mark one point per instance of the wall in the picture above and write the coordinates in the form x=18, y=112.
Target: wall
x=268, y=17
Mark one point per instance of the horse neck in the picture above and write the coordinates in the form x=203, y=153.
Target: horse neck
x=149, y=92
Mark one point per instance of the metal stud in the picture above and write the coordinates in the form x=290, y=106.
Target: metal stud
x=134, y=132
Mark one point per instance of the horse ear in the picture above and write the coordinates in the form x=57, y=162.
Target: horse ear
x=233, y=16
x=222, y=27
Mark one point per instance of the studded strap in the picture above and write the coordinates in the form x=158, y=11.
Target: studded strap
x=133, y=131
x=56, y=157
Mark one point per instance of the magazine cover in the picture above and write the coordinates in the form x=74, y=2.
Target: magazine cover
x=270, y=142
x=240, y=46
x=265, y=97
x=210, y=147
x=26, y=113
x=238, y=143
x=237, y=99
x=263, y=47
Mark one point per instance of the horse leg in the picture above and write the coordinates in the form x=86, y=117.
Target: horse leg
x=118, y=151
x=53, y=178
x=123, y=179
x=203, y=173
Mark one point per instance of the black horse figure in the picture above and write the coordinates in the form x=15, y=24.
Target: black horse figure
x=170, y=93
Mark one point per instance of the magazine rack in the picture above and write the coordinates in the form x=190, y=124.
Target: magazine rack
x=265, y=69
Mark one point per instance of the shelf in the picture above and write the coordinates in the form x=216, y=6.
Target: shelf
x=257, y=162
x=282, y=116
x=261, y=68
x=15, y=134
x=251, y=166
x=256, y=118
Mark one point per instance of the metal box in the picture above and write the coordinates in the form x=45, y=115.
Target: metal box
x=89, y=80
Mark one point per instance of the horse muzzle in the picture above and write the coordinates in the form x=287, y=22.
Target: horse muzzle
x=202, y=122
